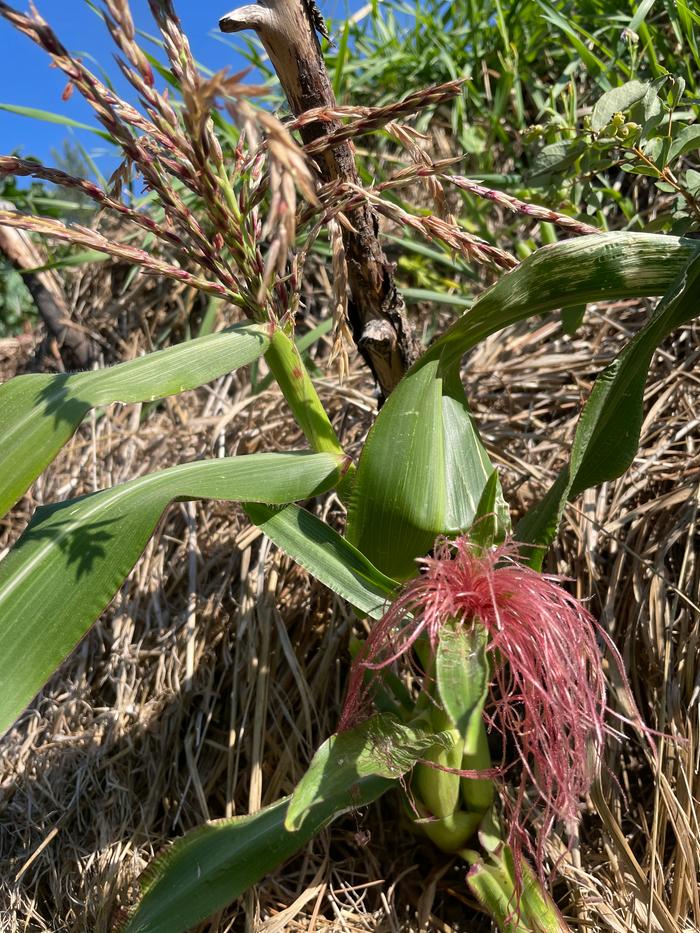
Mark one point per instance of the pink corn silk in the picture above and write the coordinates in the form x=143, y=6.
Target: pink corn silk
x=548, y=693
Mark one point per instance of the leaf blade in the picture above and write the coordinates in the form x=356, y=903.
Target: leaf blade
x=608, y=430
x=326, y=555
x=586, y=269
x=74, y=556
x=381, y=748
x=39, y=413
x=210, y=866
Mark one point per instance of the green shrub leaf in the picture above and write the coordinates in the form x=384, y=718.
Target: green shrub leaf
x=687, y=140
x=618, y=100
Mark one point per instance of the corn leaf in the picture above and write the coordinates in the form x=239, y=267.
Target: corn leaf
x=209, y=867
x=493, y=881
x=39, y=413
x=382, y=747
x=462, y=675
x=74, y=556
x=214, y=864
x=321, y=551
x=422, y=472
x=468, y=469
x=600, y=267
x=607, y=434
x=399, y=493
x=423, y=469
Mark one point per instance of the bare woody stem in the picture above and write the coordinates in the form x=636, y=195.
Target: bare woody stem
x=376, y=310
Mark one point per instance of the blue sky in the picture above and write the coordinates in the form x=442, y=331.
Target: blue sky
x=27, y=79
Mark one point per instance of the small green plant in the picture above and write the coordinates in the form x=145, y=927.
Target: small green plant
x=641, y=128
x=499, y=646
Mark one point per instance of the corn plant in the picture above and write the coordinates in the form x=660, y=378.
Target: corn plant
x=502, y=653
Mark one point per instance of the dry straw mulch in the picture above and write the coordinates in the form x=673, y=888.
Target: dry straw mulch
x=219, y=668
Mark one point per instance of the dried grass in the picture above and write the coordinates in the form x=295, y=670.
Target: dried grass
x=220, y=667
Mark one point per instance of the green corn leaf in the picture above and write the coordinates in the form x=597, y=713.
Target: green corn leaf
x=209, y=867
x=383, y=747
x=74, y=556
x=607, y=434
x=492, y=518
x=214, y=864
x=468, y=469
x=39, y=413
x=422, y=471
x=399, y=493
x=600, y=267
x=326, y=555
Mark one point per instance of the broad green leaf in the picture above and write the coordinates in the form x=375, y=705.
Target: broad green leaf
x=600, y=267
x=74, y=556
x=555, y=156
x=321, y=551
x=492, y=517
x=607, y=434
x=687, y=140
x=402, y=486
x=211, y=866
x=39, y=413
x=691, y=180
x=468, y=469
x=648, y=170
x=399, y=494
x=383, y=747
x=422, y=471
x=214, y=864
x=618, y=100
x=462, y=674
